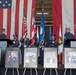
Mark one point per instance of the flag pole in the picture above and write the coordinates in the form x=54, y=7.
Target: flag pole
x=60, y=46
x=41, y=11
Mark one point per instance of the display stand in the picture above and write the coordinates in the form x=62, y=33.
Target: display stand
x=66, y=71
x=12, y=71
x=50, y=71
x=30, y=71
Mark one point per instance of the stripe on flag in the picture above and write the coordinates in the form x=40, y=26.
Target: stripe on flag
x=33, y=23
x=17, y=17
x=1, y=19
x=5, y=20
x=75, y=18
x=8, y=23
x=68, y=15
x=29, y=10
x=24, y=25
x=20, y=18
x=33, y=28
x=13, y=8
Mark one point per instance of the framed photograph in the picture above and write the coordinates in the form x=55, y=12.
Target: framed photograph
x=30, y=58
x=12, y=58
x=50, y=58
x=0, y=55
x=70, y=58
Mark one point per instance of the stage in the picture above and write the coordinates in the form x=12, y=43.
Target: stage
x=40, y=71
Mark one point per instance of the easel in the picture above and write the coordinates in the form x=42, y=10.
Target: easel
x=12, y=71
x=30, y=71
x=66, y=71
x=50, y=71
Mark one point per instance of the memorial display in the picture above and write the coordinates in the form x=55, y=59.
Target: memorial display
x=12, y=58
x=30, y=57
x=70, y=58
x=50, y=57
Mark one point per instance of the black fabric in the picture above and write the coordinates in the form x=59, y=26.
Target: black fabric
x=2, y=36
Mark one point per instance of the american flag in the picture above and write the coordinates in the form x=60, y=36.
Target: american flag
x=33, y=28
x=11, y=16
x=24, y=25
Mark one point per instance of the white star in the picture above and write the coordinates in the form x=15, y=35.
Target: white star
x=0, y=1
x=9, y=4
x=6, y=1
x=3, y=5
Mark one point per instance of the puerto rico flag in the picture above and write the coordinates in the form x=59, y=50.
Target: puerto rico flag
x=33, y=28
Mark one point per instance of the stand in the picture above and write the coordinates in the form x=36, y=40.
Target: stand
x=50, y=71
x=12, y=71
x=66, y=71
x=30, y=71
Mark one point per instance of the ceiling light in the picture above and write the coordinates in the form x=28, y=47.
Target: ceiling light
x=41, y=13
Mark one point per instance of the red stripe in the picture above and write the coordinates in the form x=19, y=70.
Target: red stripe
x=1, y=19
x=34, y=14
x=57, y=16
x=75, y=18
x=57, y=20
x=17, y=17
x=8, y=23
x=24, y=26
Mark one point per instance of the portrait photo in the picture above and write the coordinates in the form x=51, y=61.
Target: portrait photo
x=30, y=57
x=50, y=57
x=70, y=58
x=12, y=58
